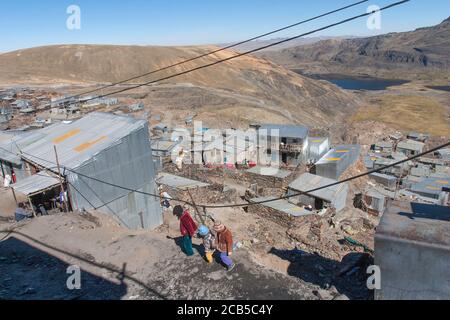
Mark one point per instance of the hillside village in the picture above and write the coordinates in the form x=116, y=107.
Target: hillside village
x=115, y=163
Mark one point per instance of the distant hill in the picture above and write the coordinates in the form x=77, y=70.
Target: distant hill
x=248, y=87
x=290, y=44
x=423, y=50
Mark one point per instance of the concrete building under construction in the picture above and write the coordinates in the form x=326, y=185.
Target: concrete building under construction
x=285, y=144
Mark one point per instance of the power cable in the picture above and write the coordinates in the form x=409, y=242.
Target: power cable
x=265, y=201
x=212, y=52
x=250, y=51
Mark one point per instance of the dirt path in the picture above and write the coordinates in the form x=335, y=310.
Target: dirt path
x=34, y=259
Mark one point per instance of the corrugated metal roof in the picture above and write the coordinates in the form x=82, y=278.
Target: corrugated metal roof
x=374, y=193
x=35, y=184
x=287, y=131
x=332, y=156
x=439, y=162
x=432, y=186
x=309, y=181
x=444, y=154
x=284, y=206
x=163, y=145
x=340, y=153
x=12, y=143
x=317, y=140
x=384, y=144
x=411, y=145
x=181, y=183
x=383, y=176
x=270, y=171
x=5, y=136
x=79, y=141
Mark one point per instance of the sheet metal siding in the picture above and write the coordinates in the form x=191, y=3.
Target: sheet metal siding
x=336, y=195
x=340, y=161
x=316, y=150
x=413, y=248
x=388, y=181
x=341, y=198
x=128, y=163
x=338, y=202
x=287, y=131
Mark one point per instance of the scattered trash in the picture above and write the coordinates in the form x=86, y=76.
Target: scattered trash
x=356, y=243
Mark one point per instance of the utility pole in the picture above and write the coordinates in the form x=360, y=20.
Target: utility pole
x=3, y=170
x=66, y=207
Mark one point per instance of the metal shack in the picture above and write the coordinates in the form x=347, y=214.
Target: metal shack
x=431, y=187
x=412, y=249
x=410, y=147
x=102, y=147
x=10, y=146
x=5, y=115
x=336, y=161
x=163, y=150
x=374, y=201
x=335, y=196
x=317, y=148
x=389, y=182
x=443, y=154
x=384, y=147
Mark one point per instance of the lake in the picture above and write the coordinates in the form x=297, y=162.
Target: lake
x=358, y=83
x=440, y=88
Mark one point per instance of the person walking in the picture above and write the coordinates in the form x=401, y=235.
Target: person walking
x=209, y=242
x=224, y=244
x=188, y=229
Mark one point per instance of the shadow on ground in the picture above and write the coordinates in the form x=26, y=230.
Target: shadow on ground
x=348, y=276
x=27, y=273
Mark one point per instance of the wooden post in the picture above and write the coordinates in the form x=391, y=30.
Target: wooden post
x=3, y=170
x=195, y=207
x=141, y=215
x=66, y=207
x=14, y=195
x=32, y=208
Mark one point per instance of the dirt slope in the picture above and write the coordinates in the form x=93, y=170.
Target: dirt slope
x=294, y=98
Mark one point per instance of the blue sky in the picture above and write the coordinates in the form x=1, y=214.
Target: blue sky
x=25, y=23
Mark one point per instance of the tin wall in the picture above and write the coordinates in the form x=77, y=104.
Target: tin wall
x=128, y=163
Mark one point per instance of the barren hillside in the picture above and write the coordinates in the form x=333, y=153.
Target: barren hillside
x=251, y=87
x=406, y=54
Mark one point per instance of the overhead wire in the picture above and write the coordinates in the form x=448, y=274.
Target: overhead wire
x=211, y=52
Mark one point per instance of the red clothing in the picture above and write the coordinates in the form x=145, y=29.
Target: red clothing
x=187, y=225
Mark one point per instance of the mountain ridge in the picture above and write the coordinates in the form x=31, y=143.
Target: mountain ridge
x=424, y=49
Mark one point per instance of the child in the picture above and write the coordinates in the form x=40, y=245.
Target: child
x=209, y=241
